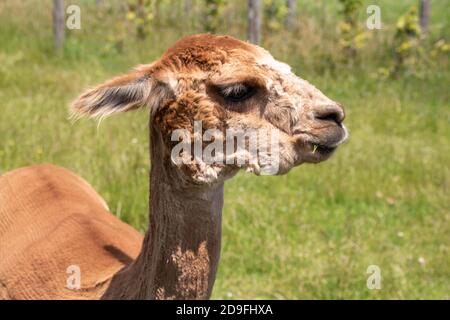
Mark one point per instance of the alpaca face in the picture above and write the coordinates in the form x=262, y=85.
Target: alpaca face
x=220, y=104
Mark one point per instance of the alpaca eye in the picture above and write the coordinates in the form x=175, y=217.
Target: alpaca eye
x=237, y=92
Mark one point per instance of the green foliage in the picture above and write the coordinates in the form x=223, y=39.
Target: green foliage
x=440, y=49
x=350, y=10
x=353, y=37
x=212, y=11
x=408, y=48
x=275, y=12
x=413, y=54
x=408, y=51
x=133, y=18
x=140, y=14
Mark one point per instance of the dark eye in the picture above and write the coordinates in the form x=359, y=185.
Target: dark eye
x=237, y=92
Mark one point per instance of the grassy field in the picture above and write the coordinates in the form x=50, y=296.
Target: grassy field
x=382, y=200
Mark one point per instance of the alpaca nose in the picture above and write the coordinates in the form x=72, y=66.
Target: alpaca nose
x=329, y=112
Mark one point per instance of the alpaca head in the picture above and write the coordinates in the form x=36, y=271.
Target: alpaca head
x=218, y=104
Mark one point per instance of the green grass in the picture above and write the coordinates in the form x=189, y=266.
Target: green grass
x=382, y=199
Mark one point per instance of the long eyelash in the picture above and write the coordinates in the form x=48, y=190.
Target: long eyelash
x=234, y=90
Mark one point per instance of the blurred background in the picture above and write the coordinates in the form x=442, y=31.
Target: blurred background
x=382, y=200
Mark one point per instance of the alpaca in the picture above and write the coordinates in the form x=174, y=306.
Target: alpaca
x=54, y=226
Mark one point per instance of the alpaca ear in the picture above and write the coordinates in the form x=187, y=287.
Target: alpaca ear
x=119, y=94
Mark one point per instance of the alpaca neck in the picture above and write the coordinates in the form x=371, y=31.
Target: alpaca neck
x=181, y=248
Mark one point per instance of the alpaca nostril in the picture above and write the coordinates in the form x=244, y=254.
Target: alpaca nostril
x=333, y=113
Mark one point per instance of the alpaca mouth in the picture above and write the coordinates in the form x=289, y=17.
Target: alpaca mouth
x=321, y=149
x=318, y=152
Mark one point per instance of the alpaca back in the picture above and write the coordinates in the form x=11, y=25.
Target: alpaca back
x=52, y=225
